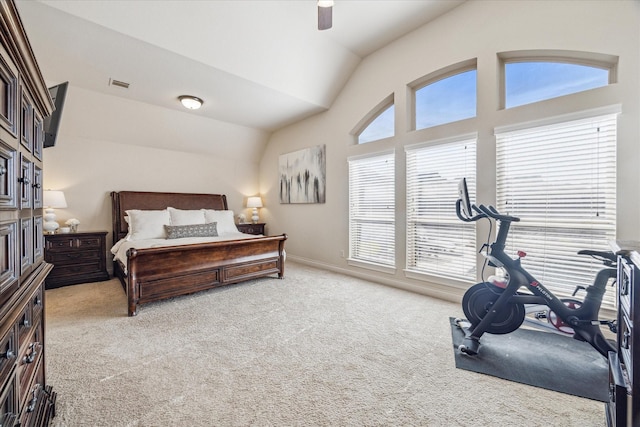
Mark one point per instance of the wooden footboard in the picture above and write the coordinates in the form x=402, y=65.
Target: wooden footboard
x=157, y=273
x=154, y=274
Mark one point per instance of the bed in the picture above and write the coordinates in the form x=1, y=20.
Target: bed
x=174, y=267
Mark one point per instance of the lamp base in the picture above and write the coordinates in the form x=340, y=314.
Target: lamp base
x=49, y=226
x=255, y=218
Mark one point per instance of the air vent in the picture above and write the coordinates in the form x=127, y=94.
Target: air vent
x=114, y=82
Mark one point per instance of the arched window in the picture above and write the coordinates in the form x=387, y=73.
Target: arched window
x=530, y=77
x=378, y=124
x=446, y=96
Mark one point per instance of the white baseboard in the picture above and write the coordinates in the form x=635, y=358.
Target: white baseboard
x=434, y=290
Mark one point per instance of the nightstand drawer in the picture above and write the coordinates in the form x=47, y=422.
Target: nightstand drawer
x=88, y=242
x=59, y=244
x=75, y=270
x=71, y=257
x=72, y=243
x=251, y=228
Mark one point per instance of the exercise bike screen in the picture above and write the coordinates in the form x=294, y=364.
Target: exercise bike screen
x=463, y=192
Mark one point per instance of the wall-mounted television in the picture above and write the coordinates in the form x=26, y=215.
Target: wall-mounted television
x=52, y=123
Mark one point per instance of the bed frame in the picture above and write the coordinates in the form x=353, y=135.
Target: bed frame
x=155, y=274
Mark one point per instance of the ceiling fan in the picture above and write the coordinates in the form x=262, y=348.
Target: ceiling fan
x=325, y=8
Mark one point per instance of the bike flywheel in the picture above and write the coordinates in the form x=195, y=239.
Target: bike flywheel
x=479, y=300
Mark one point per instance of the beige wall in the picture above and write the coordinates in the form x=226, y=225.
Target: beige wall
x=318, y=234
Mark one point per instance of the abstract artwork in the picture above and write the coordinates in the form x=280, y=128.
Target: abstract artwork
x=303, y=176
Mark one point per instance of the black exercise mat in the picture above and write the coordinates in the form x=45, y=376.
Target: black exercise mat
x=537, y=358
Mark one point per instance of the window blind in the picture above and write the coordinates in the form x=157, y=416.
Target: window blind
x=438, y=242
x=561, y=181
x=372, y=209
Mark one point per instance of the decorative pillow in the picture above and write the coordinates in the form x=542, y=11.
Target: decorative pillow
x=224, y=219
x=186, y=217
x=192, y=230
x=147, y=224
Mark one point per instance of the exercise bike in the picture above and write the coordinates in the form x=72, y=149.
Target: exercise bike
x=501, y=308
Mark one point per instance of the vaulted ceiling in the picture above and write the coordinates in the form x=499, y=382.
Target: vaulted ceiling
x=257, y=64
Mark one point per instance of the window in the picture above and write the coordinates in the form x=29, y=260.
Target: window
x=438, y=242
x=532, y=76
x=446, y=100
x=378, y=124
x=372, y=210
x=560, y=180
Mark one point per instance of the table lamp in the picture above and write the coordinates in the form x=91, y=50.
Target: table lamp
x=53, y=199
x=255, y=203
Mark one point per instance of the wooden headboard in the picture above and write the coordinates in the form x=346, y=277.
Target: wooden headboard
x=122, y=201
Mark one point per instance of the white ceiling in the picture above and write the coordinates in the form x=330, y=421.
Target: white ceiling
x=259, y=64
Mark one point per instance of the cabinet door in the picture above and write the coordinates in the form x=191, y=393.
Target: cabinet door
x=38, y=240
x=8, y=95
x=25, y=180
x=36, y=186
x=38, y=135
x=26, y=245
x=26, y=123
x=8, y=259
x=8, y=198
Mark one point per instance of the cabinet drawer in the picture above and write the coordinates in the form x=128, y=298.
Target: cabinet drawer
x=616, y=408
x=37, y=305
x=73, y=257
x=8, y=404
x=29, y=361
x=251, y=228
x=57, y=243
x=626, y=345
x=8, y=352
x=625, y=287
x=75, y=270
x=88, y=242
x=25, y=326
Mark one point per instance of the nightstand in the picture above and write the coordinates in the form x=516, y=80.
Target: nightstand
x=76, y=258
x=250, y=228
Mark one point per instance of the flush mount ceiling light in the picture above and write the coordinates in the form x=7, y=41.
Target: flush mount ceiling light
x=191, y=102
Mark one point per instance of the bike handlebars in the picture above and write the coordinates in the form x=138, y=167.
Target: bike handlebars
x=483, y=212
x=490, y=211
x=464, y=217
x=607, y=258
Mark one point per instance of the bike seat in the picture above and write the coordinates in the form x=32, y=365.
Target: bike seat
x=604, y=255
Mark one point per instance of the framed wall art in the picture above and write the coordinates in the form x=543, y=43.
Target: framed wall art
x=303, y=175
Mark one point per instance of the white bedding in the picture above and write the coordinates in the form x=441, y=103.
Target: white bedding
x=119, y=250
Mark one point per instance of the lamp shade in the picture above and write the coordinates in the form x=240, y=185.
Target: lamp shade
x=254, y=202
x=54, y=199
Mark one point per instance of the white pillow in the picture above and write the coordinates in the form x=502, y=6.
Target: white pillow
x=186, y=217
x=147, y=224
x=224, y=219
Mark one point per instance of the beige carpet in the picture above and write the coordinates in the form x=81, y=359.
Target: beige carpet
x=314, y=349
